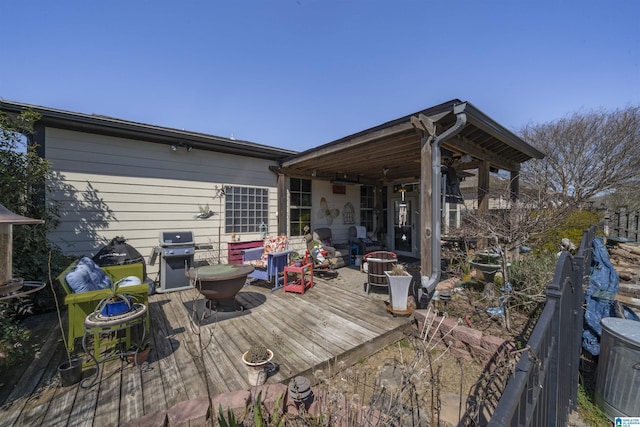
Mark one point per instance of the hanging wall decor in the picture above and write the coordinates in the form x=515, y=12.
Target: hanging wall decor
x=325, y=214
x=348, y=212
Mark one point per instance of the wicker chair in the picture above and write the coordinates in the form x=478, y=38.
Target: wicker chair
x=377, y=262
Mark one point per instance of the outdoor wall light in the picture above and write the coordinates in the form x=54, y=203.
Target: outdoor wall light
x=174, y=147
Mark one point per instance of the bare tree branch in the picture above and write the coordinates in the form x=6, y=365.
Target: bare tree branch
x=587, y=154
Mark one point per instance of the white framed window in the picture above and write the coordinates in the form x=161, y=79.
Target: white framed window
x=300, y=205
x=367, y=205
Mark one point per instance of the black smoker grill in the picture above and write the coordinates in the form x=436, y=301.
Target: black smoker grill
x=176, y=257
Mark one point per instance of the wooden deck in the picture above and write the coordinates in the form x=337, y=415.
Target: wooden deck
x=333, y=321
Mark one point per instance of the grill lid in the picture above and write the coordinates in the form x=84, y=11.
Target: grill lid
x=176, y=238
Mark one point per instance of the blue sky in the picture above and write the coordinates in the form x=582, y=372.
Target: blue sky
x=300, y=73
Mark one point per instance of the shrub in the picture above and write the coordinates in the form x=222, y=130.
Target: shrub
x=529, y=278
x=13, y=342
x=571, y=228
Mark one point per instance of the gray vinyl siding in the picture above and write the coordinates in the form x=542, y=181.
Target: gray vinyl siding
x=110, y=186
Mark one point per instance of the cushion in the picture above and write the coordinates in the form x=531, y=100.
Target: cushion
x=129, y=281
x=271, y=245
x=87, y=276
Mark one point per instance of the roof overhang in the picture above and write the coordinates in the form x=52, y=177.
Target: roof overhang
x=104, y=125
x=395, y=147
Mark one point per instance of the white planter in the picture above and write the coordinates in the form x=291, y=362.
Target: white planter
x=257, y=372
x=399, y=291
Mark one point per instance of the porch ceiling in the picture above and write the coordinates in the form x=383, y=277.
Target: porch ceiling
x=395, y=146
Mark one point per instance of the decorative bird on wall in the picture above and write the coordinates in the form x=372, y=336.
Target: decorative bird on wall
x=327, y=214
x=205, y=213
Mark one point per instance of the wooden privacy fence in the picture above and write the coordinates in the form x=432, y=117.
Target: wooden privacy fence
x=623, y=223
x=544, y=386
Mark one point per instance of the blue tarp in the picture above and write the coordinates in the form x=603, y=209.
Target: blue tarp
x=600, y=296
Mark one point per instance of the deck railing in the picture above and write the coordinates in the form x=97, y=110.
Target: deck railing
x=544, y=386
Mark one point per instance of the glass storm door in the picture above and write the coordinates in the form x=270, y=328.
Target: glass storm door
x=406, y=221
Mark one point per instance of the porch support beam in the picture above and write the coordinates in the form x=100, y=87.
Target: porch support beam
x=483, y=186
x=426, y=213
x=283, y=212
x=515, y=185
x=464, y=145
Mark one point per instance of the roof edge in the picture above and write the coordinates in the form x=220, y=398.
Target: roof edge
x=487, y=124
x=118, y=127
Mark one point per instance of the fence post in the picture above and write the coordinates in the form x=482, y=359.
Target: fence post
x=561, y=290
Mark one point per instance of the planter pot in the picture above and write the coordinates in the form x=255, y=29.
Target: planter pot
x=140, y=357
x=70, y=374
x=116, y=308
x=257, y=372
x=399, y=290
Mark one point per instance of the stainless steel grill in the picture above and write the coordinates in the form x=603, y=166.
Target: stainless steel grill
x=176, y=251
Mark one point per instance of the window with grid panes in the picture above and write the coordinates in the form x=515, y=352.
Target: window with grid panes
x=246, y=208
x=300, y=205
x=367, y=204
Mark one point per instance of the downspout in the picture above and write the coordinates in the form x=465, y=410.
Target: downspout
x=429, y=282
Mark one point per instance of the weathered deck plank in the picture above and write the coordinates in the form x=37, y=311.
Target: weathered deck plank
x=131, y=398
x=153, y=392
x=167, y=341
x=188, y=366
x=59, y=408
x=84, y=408
x=108, y=409
x=25, y=395
x=332, y=321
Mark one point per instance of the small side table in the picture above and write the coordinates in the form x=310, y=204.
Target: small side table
x=354, y=251
x=298, y=284
x=96, y=325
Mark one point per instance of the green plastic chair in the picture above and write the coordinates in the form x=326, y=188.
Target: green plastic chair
x=82, y=304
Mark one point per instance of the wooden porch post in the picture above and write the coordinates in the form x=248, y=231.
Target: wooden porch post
x=483, y=186
x=515, y=185
x=283, y=214
x=426, y=233
x=483, y=195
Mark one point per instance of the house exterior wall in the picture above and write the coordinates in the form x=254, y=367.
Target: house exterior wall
x=336, y=203
x=112, y=187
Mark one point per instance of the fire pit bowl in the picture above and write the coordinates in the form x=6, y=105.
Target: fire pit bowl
x=219, y=282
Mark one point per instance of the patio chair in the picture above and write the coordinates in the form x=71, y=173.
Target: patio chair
x=81, y=304
x=324, y=264
x=269, y=260
x=377, y=263
x=339, y=251
x=358, y=236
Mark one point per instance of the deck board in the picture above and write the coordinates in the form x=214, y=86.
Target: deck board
x=84, y=407
x=108, y=409
x=334, y=320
